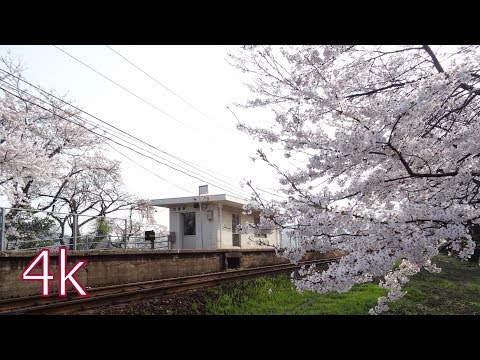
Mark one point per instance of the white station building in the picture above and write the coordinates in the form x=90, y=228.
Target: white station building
x=209, y=222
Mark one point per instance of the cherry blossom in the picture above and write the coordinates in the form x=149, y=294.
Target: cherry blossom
x=389, y=136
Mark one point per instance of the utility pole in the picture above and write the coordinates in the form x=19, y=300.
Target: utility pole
x=75, y=229
x=3, y=238
x=126, y=234
x=203, y=189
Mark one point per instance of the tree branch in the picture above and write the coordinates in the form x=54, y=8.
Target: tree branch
x=367, y=93
x=415, y=174
x=435, y=61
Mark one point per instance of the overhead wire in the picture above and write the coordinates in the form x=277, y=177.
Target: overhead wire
x=217, y=124
x=188, y=163
x=123, y=133
x=109, y=139
x=171, y=91
x=121, y=86
x=158, y=81
x=218, y=180
x=97, y=72
x=129, y=91
x=146, y=169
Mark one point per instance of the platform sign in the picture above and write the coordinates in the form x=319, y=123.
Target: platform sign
x=203, y=189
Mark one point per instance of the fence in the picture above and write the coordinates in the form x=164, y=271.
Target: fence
x=28, y=229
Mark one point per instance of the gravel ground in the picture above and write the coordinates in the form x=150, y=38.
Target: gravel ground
x=191, y=302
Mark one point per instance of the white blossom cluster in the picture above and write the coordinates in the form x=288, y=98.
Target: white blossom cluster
x=52, y=156
x=36, y=142
x=391, y=135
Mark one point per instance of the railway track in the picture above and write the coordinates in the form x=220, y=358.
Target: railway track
x=115, y=294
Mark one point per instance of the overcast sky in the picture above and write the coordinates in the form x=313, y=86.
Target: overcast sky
x=201, y=75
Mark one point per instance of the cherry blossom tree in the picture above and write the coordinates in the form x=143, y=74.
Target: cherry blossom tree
x=36, y=133
x=51, y=159
x=389, y=136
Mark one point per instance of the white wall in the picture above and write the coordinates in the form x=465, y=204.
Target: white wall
x=211, y=229
x=201, y=223
x=208, y=227
x=247, y=241
x=176, y=227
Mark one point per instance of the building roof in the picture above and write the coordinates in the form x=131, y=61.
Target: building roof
x=222, y=198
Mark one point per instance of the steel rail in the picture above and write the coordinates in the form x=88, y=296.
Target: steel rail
x=114, y=294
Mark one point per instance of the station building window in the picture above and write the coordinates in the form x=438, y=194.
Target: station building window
x=189, y=223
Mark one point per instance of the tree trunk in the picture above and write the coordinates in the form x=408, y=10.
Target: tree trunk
x=475, y=231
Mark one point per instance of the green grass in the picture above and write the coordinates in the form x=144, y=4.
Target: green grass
x=194, y=307
x=456, y=290
x=276, y=296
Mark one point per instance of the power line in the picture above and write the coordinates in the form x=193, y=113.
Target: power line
x=109, y=139
x=132, y=136
x=268, y=192
x=105, y=122
x=166, y=88
x=129, y=135
x=120, y=86
x=158, y=82
x=211, y=182
x=146, y=169
x=107, y=78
